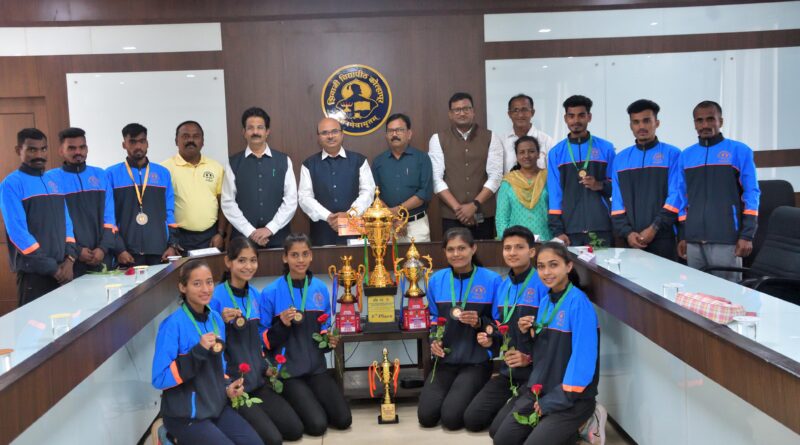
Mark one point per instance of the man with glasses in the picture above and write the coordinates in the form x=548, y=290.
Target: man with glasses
x=521, y=112
x=403, y=175
x=259, y=195
x=467, y=166
x=331, y=182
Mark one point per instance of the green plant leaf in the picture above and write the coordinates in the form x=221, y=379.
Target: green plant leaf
x=533, y=419
x=285, y=374
x=256, y=400
x=447, y=350
x=248, y=402
x=522, y=420
x=316, y=336
x=323, y=344
x=277, y=385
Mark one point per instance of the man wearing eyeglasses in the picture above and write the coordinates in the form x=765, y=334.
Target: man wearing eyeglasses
x=521, y=112
x=467, y=170
x=259, y=195
x=403, y=175
x=331, y=182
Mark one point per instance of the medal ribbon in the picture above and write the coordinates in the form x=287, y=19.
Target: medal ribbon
x=507, y=314
x=588, y=154
x=233, y=300
x=540, y=326
x=139, y=195
x=194, y=322
x=464, y=297
x=305, y=292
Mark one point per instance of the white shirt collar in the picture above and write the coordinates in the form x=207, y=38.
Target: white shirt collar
x=465, y=134
x=341, y=153
x=248, y=152
x=531, y=132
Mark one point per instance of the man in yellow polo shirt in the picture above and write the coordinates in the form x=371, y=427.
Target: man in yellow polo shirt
x=197, y=181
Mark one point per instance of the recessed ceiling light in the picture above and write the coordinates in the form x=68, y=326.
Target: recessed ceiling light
x=544, y=66
x=122, y=83
x=190, y=75
x=653, y=23
x=544, y=30
x=129, y=48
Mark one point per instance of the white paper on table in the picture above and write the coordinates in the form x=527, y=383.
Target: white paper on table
x=204, y=252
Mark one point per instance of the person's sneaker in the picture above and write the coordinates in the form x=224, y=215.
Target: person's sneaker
x=594, y=430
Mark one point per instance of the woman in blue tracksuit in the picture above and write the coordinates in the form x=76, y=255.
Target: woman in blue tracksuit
x=518, y=296
x=294, y=308
x=189, y=367
x=463, y=295
x=564, y=339
x=237, y=301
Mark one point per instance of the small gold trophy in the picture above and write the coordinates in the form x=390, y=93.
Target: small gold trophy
x=347, y=319
x=416, y=315
x=386, y=376
x=380, y=226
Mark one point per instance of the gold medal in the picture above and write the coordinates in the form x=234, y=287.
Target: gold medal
x=489, y=329
x=298, y=317
x=239, y=322
x=141, y=218
x=455, y=313
x=218, y=346
x=582, y=174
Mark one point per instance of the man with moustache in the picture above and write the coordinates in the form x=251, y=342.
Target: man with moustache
x=645, y=180
x=403, y=175
x=579, y=180
x=720, y=186
x=467, y=170
x=89, y=199
x=143, y=204
x=259, y=194
x=521, y=112
x=331, y=182
x=197, y=181
x=41, y=245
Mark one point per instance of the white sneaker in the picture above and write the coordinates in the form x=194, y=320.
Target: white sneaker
x=594, y=430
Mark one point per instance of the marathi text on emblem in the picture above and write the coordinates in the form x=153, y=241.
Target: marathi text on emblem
x=359, y=97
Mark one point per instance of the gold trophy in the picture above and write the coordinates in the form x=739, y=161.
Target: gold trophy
x=386, y=376
x=348, y=318
x=416, y=315
x=380, y=226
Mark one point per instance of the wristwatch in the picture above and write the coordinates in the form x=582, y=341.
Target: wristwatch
x=477, y=205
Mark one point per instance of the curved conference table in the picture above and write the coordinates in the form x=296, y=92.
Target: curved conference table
x=667, y=375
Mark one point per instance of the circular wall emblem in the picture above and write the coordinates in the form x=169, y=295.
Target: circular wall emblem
x=359, y=97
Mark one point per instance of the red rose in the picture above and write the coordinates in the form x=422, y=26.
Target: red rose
x=280, y=359
x=591, y=250
x=244, y=368
x=503, y=328
x=322, y=318
x=130, y=271
x=441, y=321
x=536, y=389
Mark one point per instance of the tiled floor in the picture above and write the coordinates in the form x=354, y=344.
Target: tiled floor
x=367, y=431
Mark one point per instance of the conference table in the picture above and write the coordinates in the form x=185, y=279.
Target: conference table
x=667, y=375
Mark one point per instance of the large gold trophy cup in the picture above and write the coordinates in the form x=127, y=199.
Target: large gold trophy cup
x=387, y=376
x=380, y=227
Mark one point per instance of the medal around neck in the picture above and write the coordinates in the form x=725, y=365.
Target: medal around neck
x=141, y=218
x=582, y=174
x=455, y=313
x=218, y=346
x=239, y=322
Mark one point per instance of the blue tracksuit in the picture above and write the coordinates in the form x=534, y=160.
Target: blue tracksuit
x=460, y=338
x=573, y=207
x=242, y=346
x=38, y=225
x=646, y=189
x=191, y=377
x=720, y=190
x=303, y=355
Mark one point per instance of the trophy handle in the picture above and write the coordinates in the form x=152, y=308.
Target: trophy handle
x=396, y=269
x=429, y=270
x=352, y=213
x=361, y=270
x=402, y=217
x=332, y=271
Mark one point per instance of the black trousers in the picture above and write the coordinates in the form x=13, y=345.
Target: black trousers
x=452, y=390
x=665, y=247
x=582, y=239
x=273, y=419
x=319, y=403
x=484, y=408
x=227, y=429
x=191, y=240
x=484, y=230
x=146, y=259
x=557, y=428
x=31, y=286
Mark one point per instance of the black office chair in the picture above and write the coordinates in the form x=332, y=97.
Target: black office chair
x=776, y=268
x=774, y=193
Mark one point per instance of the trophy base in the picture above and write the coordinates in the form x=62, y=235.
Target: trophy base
x=381, y=315
x=416, y=316
x=388, y=414
x=347, y=319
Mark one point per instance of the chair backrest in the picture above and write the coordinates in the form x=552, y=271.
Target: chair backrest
x=780, y=254
x=774, y=193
